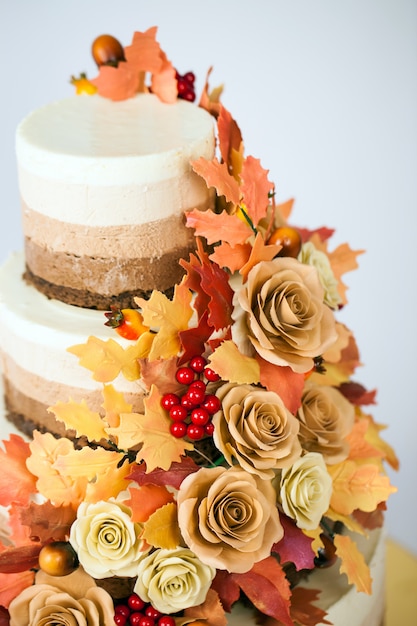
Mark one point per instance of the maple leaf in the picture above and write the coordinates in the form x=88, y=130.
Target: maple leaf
x=287, y=384
x=16, y=482
x=229, y=137
x=217, y=175
x=353, y=563
x=161, y=529
x=170, y=316
x=232, y=257
x=359, y=448
x=108, y=484
x=114, y=404
x=146, y=499
x=358, y=486
x=48, y=522
x=171, y=478
x=77, y=416
x=107, y=359
x=211, y=611
x=295, y=546
x=164, y=83
x=233, y=366
x=372, y=520
x=259, y=252
x=145, y=53
x=159, y=447
x=193, y=340
x=357, y=394
x=268, y=589
x=160, y=372
x=347, y=520
x=255, y=189
x=11, y=585
x=117, y=83
x=374, y=438
x=218, y=226
x=303, y=611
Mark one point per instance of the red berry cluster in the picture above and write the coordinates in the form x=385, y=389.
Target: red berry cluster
x=185, y=86
x=191, y=413
x=136, y=612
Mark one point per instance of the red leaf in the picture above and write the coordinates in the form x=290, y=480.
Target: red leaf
x=227, y=588
x=303, y=611
x=211, y=611
x=193, y=340
x=255, y=189
x=268, y=589
x=357, y=394
x=295, y=546
x=286, y=383
x=19, y=559
x=4, y=616
x=10, y=587
x=16, y=482
x=173, y=477
x=323, y=232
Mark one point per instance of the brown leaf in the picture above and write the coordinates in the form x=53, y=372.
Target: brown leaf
x=48, y=522
x=303, y=609
x=295, y=546
x=171, y=478
x=211, y=610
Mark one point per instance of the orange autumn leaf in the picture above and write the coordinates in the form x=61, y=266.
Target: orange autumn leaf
x=217, y=175
x=117, y=83
x=233, y=366
x=359, y=447
x=114, y=404
x=164, y=83
x=353, y=563
x=144, y=53
x=11, y=585
x=107, y=359
x=78, y=416
x=209, y=613
x=16, y=482
x=230, y=140
x=210, y=100
x=161, y=530
x=108, y=484
x=259, y=252
x=374, y=438
x=159, y=447
x=232, y=257
x=215, y=227
x=358, y=486
x=255, y=189
x=146, y=499
x=170, y=317
x=284, y=209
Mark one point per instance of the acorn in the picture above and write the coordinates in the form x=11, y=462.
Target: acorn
x=287, y=237
x=107, y=50
x=58, y=558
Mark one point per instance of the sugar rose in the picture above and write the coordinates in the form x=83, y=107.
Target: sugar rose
x=283, y=314
x=255, y=430
x=311, y=256
x=173, y=580
x=106, y=540
x=228, y=517
x=304, y=490
x=326, y=418
x=73, y=600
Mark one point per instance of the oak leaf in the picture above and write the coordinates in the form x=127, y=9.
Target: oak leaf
x=170, y=317
x=16, y=482
x=218, y=226
x=353, y=563
x=161, y=530
x=233, y=366
x=358, y=486
x=48, y=522
x=146, y=499
x=107, y=359
x=193, y=340
x=255, y=189
x=78, y=416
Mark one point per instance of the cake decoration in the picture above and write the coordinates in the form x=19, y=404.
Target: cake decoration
x=254, y=460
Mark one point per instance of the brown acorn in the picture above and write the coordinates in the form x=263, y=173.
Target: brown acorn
x=107, y=50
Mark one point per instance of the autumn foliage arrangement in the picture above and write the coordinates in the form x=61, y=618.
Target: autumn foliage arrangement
x=254, y=447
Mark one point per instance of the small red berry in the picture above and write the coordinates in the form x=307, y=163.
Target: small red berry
x=150, y=611
x=209, y=429
x=122, y=609
x=195, y=396
x=195, y=432
x=198, y=363
x=189, y=77
x=178, y=413
x=146, y=621
x=178, y=429
x=135, y=602
x=189, y=96
x=199, y=417
x=211, y=375
x=185, y=375
x=212, y=404
x=135, y=618
x=166, y=620
x=198, y=384
x=119, y=619
x=169, y=400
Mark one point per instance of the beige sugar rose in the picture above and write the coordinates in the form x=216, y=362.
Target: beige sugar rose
x=326, y=418
x=173, y=580
x=318, y=259
x=281, y=310
x=304, y=490
x=73, y=600
x=106, y=540
x=255, y=430
x=228, y=517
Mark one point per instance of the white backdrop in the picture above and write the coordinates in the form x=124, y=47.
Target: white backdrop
x=325, y=94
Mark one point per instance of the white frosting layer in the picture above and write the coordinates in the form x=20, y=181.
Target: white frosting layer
x=36, y=332
x=88, y=160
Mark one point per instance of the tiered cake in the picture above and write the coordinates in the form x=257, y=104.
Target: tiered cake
x=197, y=450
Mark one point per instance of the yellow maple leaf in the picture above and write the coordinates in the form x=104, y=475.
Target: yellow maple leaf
x=78, y=416
x=127, y=433
x=358, y=486
x=348, y=521
x=373, y=437
x=108, y=484
x=159, y=447
x=114, y=404
x=87, y=462
x=353, y=563
x=170, y=317
x=233, y=366
x=161, y=530
x=107, y=359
